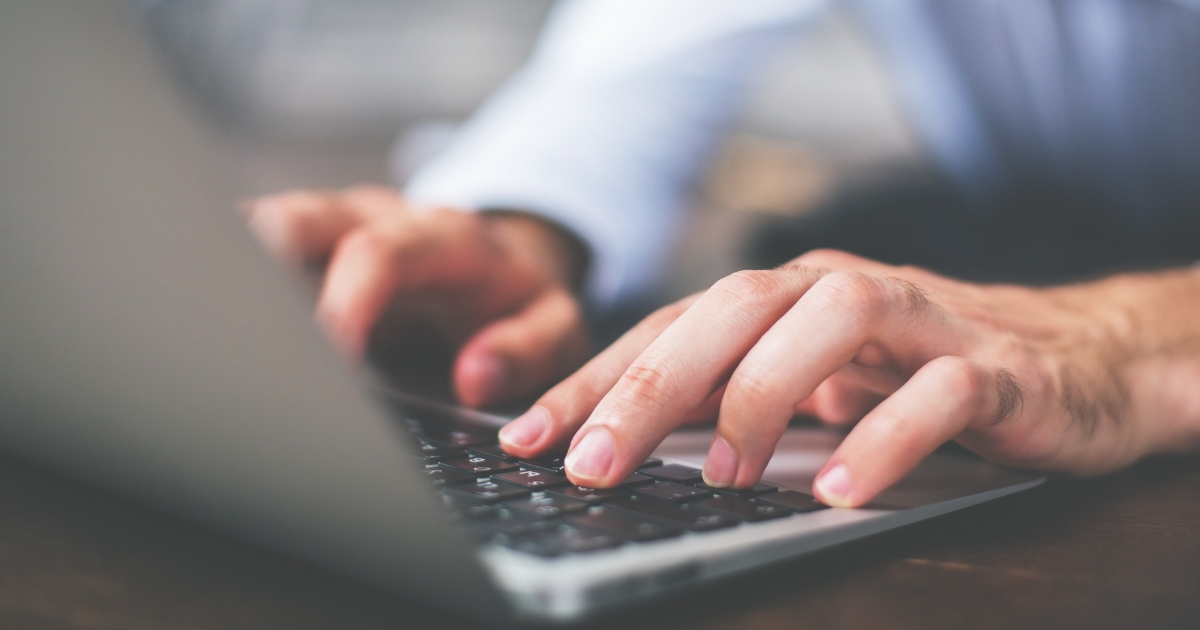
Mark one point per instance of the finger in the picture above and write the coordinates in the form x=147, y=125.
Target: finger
x=300, y=226
x=850, y=393
x=371, y=202
x=516, y=355
x=845, y=317
x=937, y=403
x=707, y=411
x=841, y=403
x=555, y=417
x=369, y=266
x=680, y=370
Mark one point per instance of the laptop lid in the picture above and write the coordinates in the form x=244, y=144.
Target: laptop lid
x=149, y=348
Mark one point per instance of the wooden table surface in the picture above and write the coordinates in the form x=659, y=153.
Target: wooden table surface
x=1121, y=551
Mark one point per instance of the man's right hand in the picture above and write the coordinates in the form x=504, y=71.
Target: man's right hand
x=498, y=286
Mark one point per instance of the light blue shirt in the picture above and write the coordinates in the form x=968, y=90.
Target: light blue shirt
x=607, y=127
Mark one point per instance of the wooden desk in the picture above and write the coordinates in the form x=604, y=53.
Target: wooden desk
x=1121, y=552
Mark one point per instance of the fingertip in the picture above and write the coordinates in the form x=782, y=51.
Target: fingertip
x=521, y=436
x=834, y=486
x=349, y=337
x=481, y=378
x=591, y=458
x=721, y=465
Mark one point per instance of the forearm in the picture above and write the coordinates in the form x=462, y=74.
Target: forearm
x=604, y=131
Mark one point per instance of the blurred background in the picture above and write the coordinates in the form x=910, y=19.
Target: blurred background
x=324, y=93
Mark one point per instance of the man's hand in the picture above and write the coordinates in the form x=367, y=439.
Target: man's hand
x=1082, y=379
x=498, y=285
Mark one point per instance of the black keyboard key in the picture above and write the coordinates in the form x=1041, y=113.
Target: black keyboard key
x=674, y=472
x=446, y=476
x=432, y=453
x=504, y=523
x=591, y=496
x=563, y=539
x=625, y=524
x=669, y=491
x=485, y=491
x=745, y=509
x=413, y=425
x=533, y=479
x=792, y=500
x=545, y=506
x=481, y=465
x=552, y=465
x=636, y=479
x=650, y=463
x=491, y=450
x=745, y=493
x=686, y=515
x=458, y=437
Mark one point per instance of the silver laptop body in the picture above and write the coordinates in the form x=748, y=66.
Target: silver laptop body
x=149, y=348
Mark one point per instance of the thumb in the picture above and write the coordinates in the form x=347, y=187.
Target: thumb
x=515, y=356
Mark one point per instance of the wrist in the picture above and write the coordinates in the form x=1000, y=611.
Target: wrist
x=553, y=250
x=1155, y=344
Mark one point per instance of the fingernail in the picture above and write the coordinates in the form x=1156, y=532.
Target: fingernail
x=720, y=468
x=592, y=456
x=834, y=486
x=526, y=429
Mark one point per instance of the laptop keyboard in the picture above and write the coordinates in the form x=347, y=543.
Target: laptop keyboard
x=531, y=506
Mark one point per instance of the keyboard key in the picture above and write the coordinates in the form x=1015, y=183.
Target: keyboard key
x=745, y=509
x=745, y=493
x=674, y=472
x=591, y=496
x=485, y=491
x=481, y=465
x=552, y=465
x=533, y=479
x=446, y=476
x=433, y=454
x=650, y=463
x=504, y=523
x=792, y=500
x=491, y=450
x=676, y=492
x=458, y=437
x=545, y=506
x=563, y=539
x=636, y=479
x=686, y=515
x=625, y=524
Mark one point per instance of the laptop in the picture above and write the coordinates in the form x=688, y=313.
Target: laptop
x=149, y=348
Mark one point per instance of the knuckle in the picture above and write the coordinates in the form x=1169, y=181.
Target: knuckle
x=862, y=294
x=646, y=382
x=966, y=379
x=370, y=244
x=749, y=286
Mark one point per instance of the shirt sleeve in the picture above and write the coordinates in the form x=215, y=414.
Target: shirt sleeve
x=606, y=127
